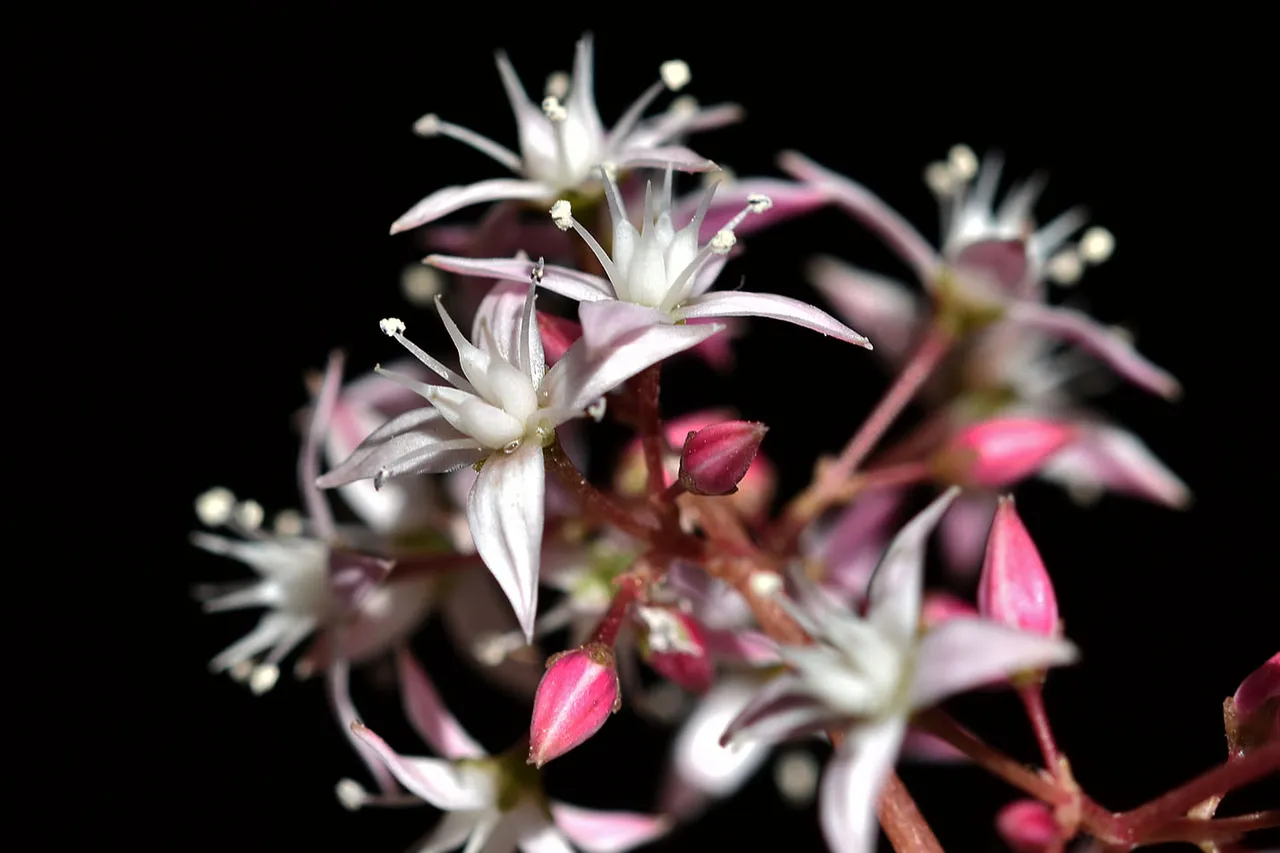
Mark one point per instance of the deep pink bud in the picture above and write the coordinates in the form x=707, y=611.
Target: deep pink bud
x=675, y=645
x=1027, y=826
x=1261, y=685
x=1014, y=587
x=716, y=457
x=577, y=694
x=997, y=453
x=558, y=334
x=1253, y=715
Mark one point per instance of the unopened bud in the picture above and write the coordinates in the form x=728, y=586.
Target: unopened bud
x=1015, y=588
x=1253, y=713
x=1000, y=452
x=558, y=334
x=716, y=458
x=1028, y=826
x=674, y=644
x=577, y=694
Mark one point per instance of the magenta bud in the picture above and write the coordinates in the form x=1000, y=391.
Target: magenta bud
x=1256, y=704
x=997, y=453
x=1028, y=826
x=675, y=645
x=716, y=458
x=558, y=334
x=577, y=694
x=1015, y=588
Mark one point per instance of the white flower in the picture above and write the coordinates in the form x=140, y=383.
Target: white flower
x=500, y=412
x=656, y=274
x=563, y=141
x=866, y=676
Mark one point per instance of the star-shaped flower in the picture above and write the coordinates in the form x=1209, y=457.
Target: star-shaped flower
x=563, y=141
x=500, y=413
x=656, y=274
x=865, y=675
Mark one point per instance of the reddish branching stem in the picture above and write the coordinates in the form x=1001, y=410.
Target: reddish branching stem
x=637, y=522
x=629, y=588
x=647, y=386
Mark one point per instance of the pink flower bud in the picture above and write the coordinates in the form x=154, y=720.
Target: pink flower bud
x=577, y=694
x=1254, y=715
x=1262, y=685
x=1015, y=587
x=675, y=645
x=558, y=334
x=1027, y=826
x=997, y=453
x=716, y=457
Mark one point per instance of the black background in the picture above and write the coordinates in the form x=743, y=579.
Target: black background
x=252, y=164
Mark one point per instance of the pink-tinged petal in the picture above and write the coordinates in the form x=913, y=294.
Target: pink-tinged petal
x=940, y=607
x=707, y=274
x=558, y=334
x=607, y=321
x=502, y=311
x=419, y=441
x=581, y=377
x=895, y=588
x=505, y=512
x=868, y=209
x=716, y=458
x=700, y=767
x=607, y=832
x=1082, y=330
x=962, y=533
x=536, y=134
x=1015, y=588
x=448, y=199
x=352, y=576
x=997, y=453
x=789, y=199
x=445, y=785
x=427, y=713
x=886, y=309
x=962, y=654
x=1028, y=826
x=388, y=614
x=1107, y=457
x=740, y=303
x=309, y=458
x=577, y=694
x=782, y=709
x=344, y=711
x=579, y=286
x=673, y=156
x=1003, y=263
x=450, y=833
x=853, y=545
x=851, y=785
x=742, y=646
x=1262, y=685
x=674, y=644
x=922, y=746
x=676, y=122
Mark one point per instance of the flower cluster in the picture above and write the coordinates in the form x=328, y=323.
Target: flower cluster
x=463, y=474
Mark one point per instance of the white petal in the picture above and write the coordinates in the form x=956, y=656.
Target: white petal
x=1107, y=457
x=579, y=286
x=964, y=653
x=740, y=303
x=450, y=833
x=442, y=783
x=885, y=308
x=421, y=432
x=895, y=589
x=477, y=418
x=783, y=708
x=871, y=211
x=607, y=321
x=448, y=199
x=606, y=832
x=580, y=377
x=502, y=311
x=505, y=511
x=672, y=123
x=674, y=156
x=545, y=839
x=339, y=694
x=851, y=785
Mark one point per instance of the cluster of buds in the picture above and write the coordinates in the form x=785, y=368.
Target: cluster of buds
x=758, y=625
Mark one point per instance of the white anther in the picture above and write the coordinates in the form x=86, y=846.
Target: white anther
x=420, y=284
x=963, y=162
x=553, y=109
x=391, y=326
x=596, y=410
x=213, y=508
x=562, y=215
x=723, y=242
x=351, y=794
x=558, y=83
x=249, y=514
x=759, y=202
x=428, y=125
x=1096, y=245
x=263, y=678
x=665, y=632
x=288, y=522
x=765, y=584
x=940, y=179
x=1065, y=268
x=796, y=775
x=493, y=649
x=675, y=74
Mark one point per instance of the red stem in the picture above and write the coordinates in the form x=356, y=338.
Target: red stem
x=629, y=587
x=650, y=418
x=1032, y=696
x=639, y=524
